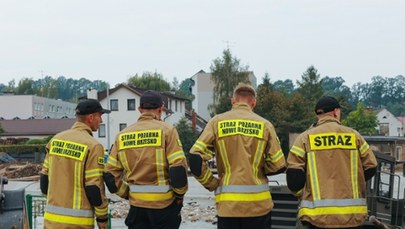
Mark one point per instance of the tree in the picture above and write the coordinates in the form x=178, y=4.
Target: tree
x=150, y=81
x=310, y=86
x=185, y=91
x=25, y=87
x=362, y=120
x=226, y=73
x=286, y=86
x=186, y=134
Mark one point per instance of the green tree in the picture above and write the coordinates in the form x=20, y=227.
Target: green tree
x=187, y=135
x=310, y=86
x=362, y=120
x=150, y=81
x=185, y=91
x=226, y=73
x=273, y=105
x=303, y=101
x=286, y=86
x=25, y=87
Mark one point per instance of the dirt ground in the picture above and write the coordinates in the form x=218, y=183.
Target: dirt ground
x=20, y=170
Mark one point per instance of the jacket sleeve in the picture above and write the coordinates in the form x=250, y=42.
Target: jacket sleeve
x=94, y=182
x=177, y=163
x=367, y=156
x=44, y=180
x=200, y=153
x=274, y=161
x=114, y=173
x=296, y=162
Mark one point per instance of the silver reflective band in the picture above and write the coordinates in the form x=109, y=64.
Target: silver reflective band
x=69, y=211
x=242, y=188
x=149, y=188
x=333, y=203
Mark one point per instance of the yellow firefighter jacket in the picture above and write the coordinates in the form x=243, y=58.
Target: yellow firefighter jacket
x=140, y=160
x=334, y=158
x=246, y=149
x=74, y=160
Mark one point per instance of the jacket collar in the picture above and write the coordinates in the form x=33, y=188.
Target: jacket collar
x=81, y=126
x=148, y=116
x=243, y=106
x=327, y=118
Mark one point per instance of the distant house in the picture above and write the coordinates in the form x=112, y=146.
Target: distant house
x=34, y=128
x=34, y=107
x=123, y=101
x=389, y=125
x=203, y=90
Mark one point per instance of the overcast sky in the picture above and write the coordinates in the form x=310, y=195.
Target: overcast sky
x=112, y=40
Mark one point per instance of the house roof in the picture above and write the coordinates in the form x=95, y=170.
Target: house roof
x=27, y=127
x=402, y=119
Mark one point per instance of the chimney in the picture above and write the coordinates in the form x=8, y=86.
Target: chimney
x=92, y=94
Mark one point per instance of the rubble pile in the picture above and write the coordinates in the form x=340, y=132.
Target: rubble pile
x=19, y=170
x=191, y=211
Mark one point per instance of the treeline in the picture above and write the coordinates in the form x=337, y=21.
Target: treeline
x=66, y=89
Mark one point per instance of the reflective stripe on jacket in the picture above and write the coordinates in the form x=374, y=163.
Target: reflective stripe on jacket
x=334, y=158
x=140, y=160
x=246, y=148
x=74, y=160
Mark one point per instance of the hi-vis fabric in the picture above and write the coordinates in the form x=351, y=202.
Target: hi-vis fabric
x=140, y=160
x=334, y=158
x=72, y=162
x=246, y=148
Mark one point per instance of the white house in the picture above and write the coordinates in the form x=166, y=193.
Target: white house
x=123, y=101
x=203, y=90
x=32, y=106
x=389, y=125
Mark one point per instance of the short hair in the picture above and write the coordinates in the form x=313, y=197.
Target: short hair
x=245, y=90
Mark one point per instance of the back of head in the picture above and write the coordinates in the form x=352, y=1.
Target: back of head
x=244, y=90
x=151, y=100
x=90, y=106
x=326, y=104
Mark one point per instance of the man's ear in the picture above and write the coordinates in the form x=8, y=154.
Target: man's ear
x=253, y=103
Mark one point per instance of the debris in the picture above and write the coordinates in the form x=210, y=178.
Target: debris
x=20, y=170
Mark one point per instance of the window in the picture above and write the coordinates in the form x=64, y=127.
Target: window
x=175, y=106
x=114, y=104
x=101, y=131
x=131, y=104
x=123, y=126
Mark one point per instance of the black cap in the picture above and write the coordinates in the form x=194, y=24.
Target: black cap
x=326, y=104
x=90, y=106
x=151, y=100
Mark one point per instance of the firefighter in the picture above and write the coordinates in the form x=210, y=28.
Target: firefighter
x=328, y=167
x=247, y=149
x=72, y=173
x=147, y=165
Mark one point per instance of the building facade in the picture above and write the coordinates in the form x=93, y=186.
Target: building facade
x=203, y=90
x=34, y=107
x=389, y=125
x=123, y=101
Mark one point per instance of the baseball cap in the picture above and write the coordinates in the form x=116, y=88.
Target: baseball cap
x=244, y=88
x=90, y=106
x=326, y=104
x=151, y=100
